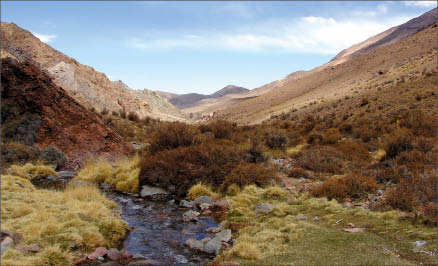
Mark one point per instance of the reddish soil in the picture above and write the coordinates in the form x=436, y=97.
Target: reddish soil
x=65, y=124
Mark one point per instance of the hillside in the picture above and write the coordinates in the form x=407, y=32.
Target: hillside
x=375, y=67
x=88, y=86
x=29, y=97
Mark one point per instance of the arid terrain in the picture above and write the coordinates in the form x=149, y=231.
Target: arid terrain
x=332, y=166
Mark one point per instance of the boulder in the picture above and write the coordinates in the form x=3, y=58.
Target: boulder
x=301, y=217
x=66, y=174
x=154, y=193
x=203, y=199
x=215, y=229
x=99, y=252
x=223, y=204
x=213, y=246
x=263, y=208
x=114, y=254
x=190, y=216
x=186, y=204
x=224, y=235
x=6, y=244
x=194, y=244
x=204, y=206
x=16, y=237
x=354, y=230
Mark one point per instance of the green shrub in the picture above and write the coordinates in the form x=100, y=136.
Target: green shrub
x=23, y=129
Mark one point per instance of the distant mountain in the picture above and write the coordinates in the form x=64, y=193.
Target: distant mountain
x=83, y=83
x=193, y=99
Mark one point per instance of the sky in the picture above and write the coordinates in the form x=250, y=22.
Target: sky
x=203, y=46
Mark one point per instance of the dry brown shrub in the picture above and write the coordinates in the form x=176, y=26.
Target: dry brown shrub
x=247, y=174
x=173, y=135
x=354, y=151
x=181, y=168
x=321, y=159
x=275, y=139
x=420, y=124
x=299, y=173
x=351, y=186
x=331, y=136
x=398, y=142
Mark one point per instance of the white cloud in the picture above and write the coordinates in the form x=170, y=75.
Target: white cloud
x=421, y=3
x=312, y=34
x=46, y=38
x=380, y=10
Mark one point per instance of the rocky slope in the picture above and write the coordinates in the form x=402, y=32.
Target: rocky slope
x=390, y=56
x=88, y=86
x=65, y=123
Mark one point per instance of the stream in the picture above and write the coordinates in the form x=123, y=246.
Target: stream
x=157, y=229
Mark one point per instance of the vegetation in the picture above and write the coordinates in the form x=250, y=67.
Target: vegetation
x=78, y=219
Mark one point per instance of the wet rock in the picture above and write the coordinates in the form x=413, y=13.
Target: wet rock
x=144, y=262
x=180, y=259
x=154, y=193
x=207, y=212
x=114, y=254
x=194, y=244
x=186, y=204
x=223, y=204
x=215, y=230
x=52, y=177
x=126, y=255
x=204, y=206
x=110, y=263
x=354, y=230
x=66, y=174
x=138, y=256
x=99, y=252
x=203, y=199
x=301, y=217
x=34, y=248
x=6, y=244
x=263, y=208
x=213, y=246
x=205, y=240
x=190, y=216
x=78, y=183
x=224, y=235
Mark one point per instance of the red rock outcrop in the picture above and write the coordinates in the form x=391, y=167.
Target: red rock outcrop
x=65, y=123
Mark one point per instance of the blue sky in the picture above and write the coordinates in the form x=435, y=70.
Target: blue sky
x=200, y=46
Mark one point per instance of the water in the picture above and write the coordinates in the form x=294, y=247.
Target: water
x=159, y=232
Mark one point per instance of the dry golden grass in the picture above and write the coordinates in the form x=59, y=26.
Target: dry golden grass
x=79, y=217
x=201, y=190
x=122, y=175
x=31, y=171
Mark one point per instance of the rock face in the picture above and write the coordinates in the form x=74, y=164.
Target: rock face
x=89, y=87
x=263, y=208
x=65, y=123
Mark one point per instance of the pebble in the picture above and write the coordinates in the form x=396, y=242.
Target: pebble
x=420, y=243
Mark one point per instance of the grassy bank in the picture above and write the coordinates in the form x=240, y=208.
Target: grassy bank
x=282, y=238
x=63, y=224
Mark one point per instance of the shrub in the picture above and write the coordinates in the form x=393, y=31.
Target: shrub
x=52, y=155
x=420, y=124
x=9, y=110
x=181, y=168
x=320, y=159
x=331, y=136
x=122, y=113
x=23, y=129
x=105, y=111
x=133, y=116
x=275, y=139
x=314, y=139
x=14, y=152
x=221, y=129
x=352, y=186
x=255, y=154
x=248, y=174
x=299, y=173
x=173, y=135
x=398, y=142
x=115, y=113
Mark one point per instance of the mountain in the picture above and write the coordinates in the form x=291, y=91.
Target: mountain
x=190, y=100
x=88, y=86
x=404, y=50
x=27, y=91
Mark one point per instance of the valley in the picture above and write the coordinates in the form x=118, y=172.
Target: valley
x=332, y=166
